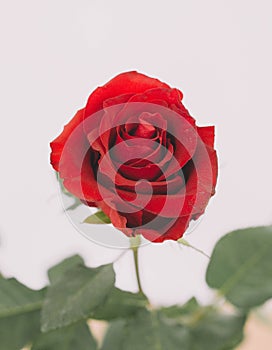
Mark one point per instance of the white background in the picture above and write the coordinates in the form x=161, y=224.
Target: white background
x=54, y=53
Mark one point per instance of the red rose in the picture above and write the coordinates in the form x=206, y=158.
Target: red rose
x=135, y=152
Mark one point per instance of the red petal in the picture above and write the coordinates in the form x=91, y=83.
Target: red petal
x=207, y=135
x=165, y=94
x=72, y=157
x=160, y=204
x=203, y=177
x=125, y=83
x=173, y=230
x=116, y=100
x=58, y=144
x=159, y=187
x=119, y=221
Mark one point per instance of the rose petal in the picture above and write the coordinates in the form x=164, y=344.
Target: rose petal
x=162, y=187
x=58, y=144
x=206, y=133
x=119, y=221
x=203, y=175
x=173, y=229
x=125, y=83
x=160, y=204
x=116, y=100
x=76, y=161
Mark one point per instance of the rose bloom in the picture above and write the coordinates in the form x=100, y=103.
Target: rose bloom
x=135, y=152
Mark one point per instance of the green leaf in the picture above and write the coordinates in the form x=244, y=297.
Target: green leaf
x=147, y=330
x=57, y=271
x=75, y=295
x=15, y=298
x=97, y=218
x=240, y=267
x=177, y=311
x=74, y=337
x=115, y=335
x=215, y=331
x=208, y=328
x=151, y=331
x=19, y=330
x=198, y=329
x=19, y=314
x=120, y=304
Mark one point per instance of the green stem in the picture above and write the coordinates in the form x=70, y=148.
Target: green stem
x=134, y=246
x=187, y=244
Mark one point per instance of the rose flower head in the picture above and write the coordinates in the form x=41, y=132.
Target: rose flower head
x=135, y=152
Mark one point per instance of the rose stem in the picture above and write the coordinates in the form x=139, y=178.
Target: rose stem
x=134, y=245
